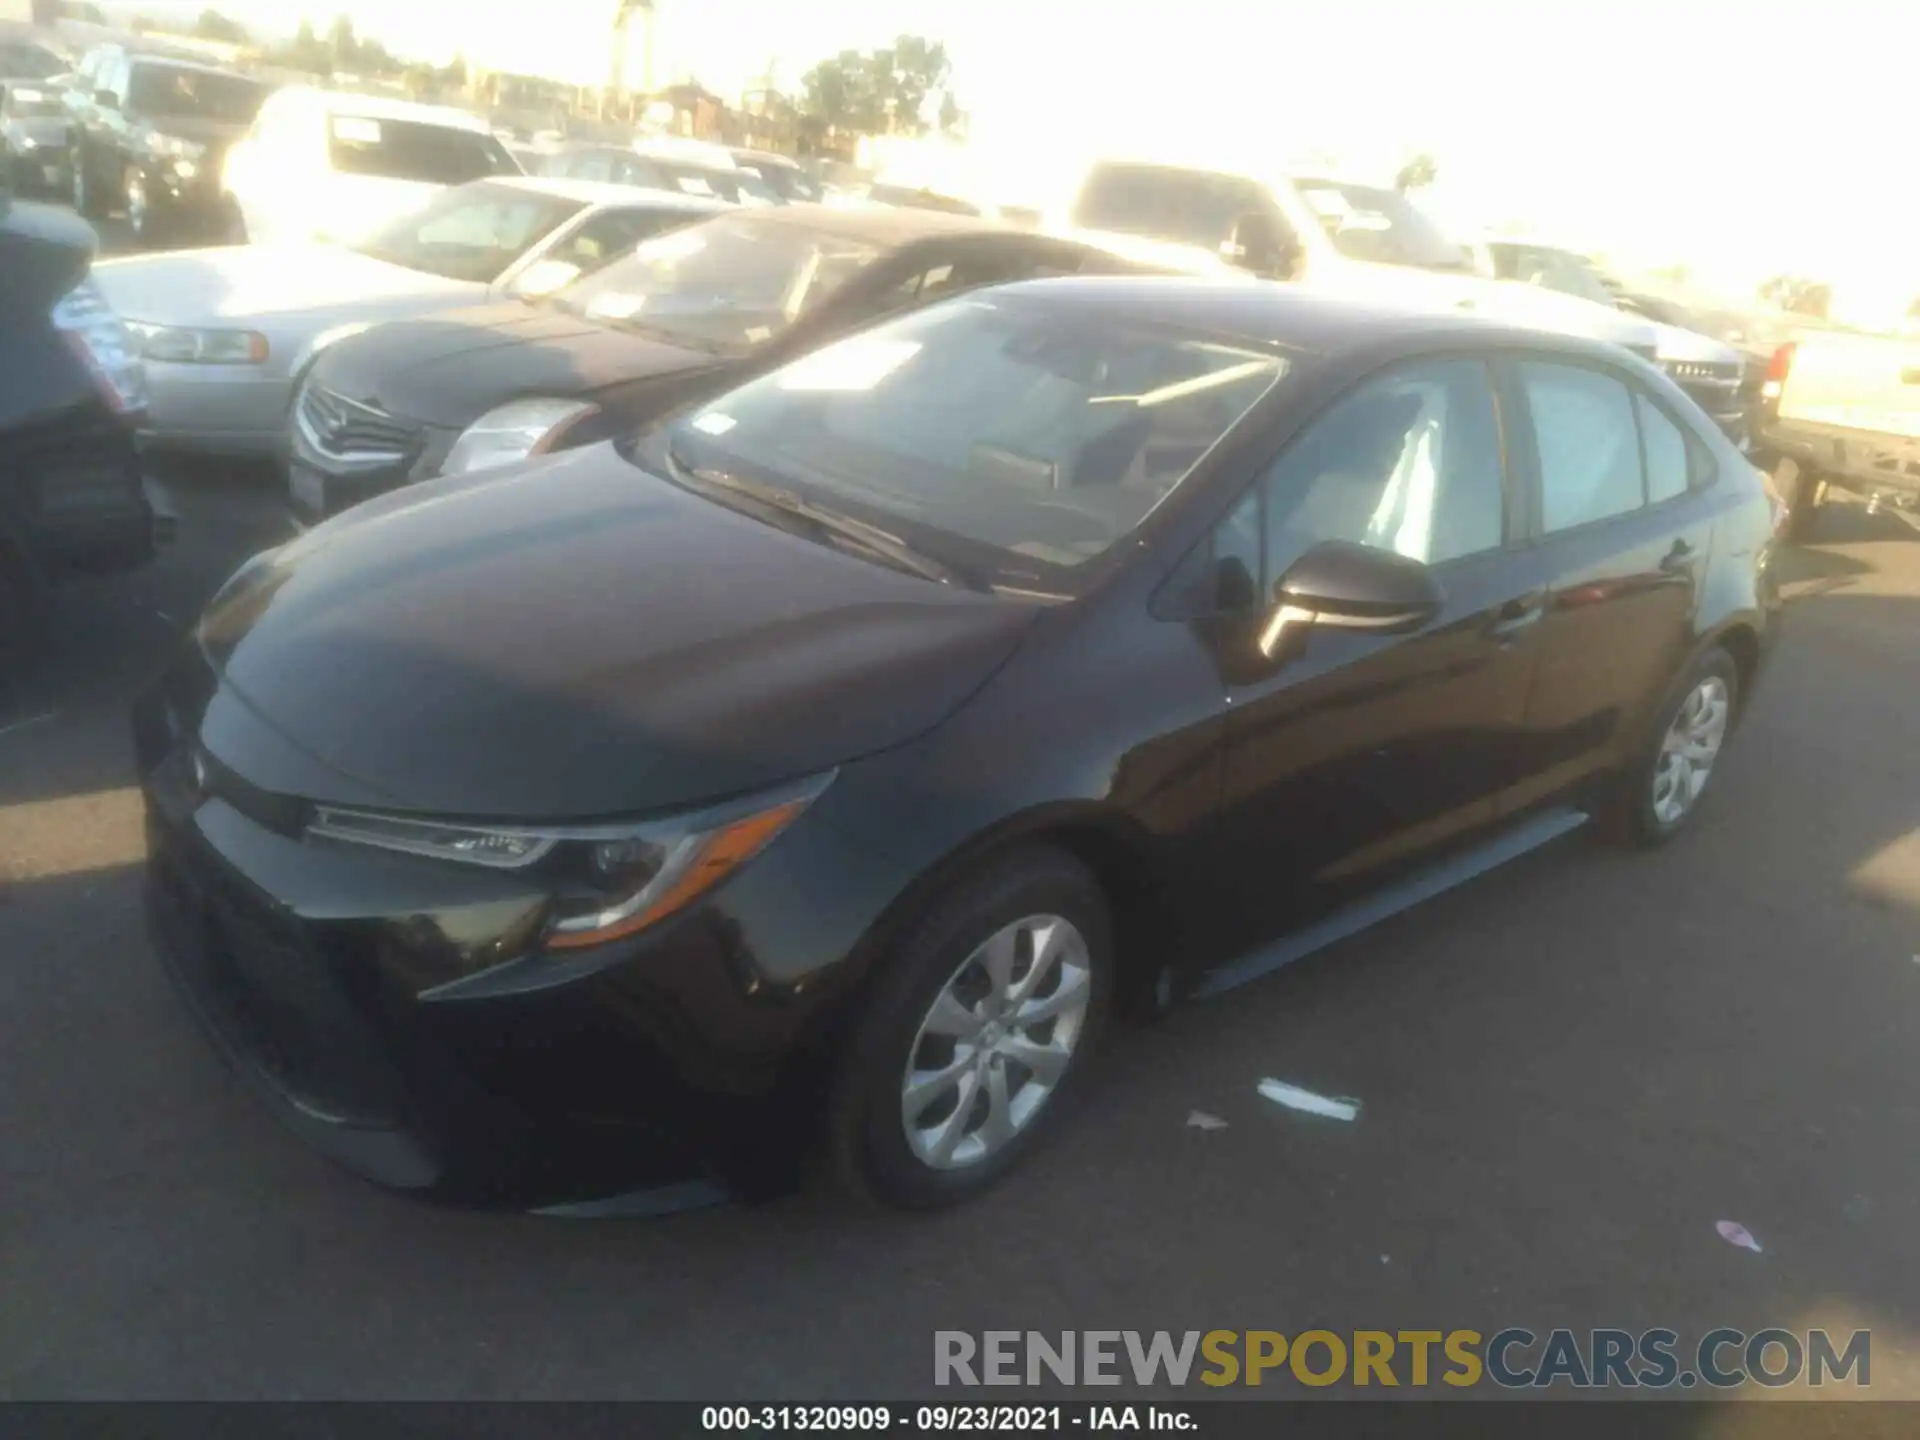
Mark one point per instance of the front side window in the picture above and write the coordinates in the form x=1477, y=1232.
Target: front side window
x=409, y=150
x=729, y=284
x=1409, y=462
x=177, y=91
x=472, y=233
x=1588, y=443
x=1006, y=425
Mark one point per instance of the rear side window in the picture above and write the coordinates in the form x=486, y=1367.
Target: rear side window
x=409, y=150
x=1588, y=443
x=1668, y=457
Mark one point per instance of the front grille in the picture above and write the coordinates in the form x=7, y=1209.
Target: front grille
x=349, y=430
x=1723, y=372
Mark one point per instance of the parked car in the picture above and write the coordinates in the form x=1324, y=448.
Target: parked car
x=33, y=124
x=228, y=332
x=1842, y=412
x=622, y=165
x=149, y=135
x=784, y=176
x=336, y=167
x=72, y=497
x=686, y=313
x=824, y=764
x=1341, y=237
x=1714, y=375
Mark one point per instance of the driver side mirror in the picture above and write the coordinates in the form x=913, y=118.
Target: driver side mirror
x=1343, y=586
x=106, y=99
x=543, y=277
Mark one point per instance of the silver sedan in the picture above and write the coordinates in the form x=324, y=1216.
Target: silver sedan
x=227, y=333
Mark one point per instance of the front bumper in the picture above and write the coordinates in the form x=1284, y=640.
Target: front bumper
x=216, y=409
x=375, y=1003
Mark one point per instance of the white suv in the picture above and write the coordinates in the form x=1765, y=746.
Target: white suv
x=318, y=165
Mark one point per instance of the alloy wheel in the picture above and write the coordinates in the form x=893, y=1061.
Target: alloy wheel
x=996, y=1043
x=1689, y=750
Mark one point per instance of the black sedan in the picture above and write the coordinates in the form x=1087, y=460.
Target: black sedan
x=686, y=314
x=821, y=766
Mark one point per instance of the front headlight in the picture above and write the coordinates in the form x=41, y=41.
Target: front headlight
x=172, y=147
x=183, y=345
x=607, y=881
x=513, y=432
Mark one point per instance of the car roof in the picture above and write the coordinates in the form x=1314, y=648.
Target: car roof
x=381, y=107
x=885, y=225
x=1294, y=316
x=598, y=192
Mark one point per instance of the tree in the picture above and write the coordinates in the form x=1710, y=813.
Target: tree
x=881, y=91
x=454, y=75
x=212, y=25
x=952, y=118
x=1418, y=172
x=342, y=48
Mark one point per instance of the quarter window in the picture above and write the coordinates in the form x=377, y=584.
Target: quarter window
x=1589, y=445
x=1666, y=450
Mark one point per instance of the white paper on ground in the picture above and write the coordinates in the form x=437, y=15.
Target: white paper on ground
x=1294, y=1098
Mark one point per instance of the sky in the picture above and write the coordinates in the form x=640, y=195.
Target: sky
x=1742, y=139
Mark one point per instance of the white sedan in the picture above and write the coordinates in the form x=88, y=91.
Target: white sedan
x=227, y=333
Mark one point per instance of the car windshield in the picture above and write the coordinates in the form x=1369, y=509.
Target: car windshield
x=1366, y=222
x=29, y=62
x=411, y=150
x=729, y=284
x=197, y=94
x=471, y=233
x=1007, y=434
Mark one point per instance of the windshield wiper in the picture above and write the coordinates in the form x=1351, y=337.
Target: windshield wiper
x=822, y=521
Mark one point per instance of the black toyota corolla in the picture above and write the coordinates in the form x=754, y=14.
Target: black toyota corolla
x=815, y=772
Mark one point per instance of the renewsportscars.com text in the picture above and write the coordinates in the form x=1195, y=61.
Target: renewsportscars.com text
x=1513, y=1358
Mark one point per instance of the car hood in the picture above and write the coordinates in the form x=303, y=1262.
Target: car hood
x=260, y=282
x=451, y=369
x=571, y=640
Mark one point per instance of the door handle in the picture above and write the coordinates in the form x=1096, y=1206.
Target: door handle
x=1518, y=614
x=1679, y=558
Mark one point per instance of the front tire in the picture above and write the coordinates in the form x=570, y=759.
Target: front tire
x=141, y=219
x=1662, y=789
x=978, y=1028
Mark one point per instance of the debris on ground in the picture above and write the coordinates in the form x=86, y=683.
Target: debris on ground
x=1201, y=1120
x=1305, y=1101
x=1735, y=1233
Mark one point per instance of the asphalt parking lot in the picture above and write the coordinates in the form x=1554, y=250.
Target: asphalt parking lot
x=1568, y=1073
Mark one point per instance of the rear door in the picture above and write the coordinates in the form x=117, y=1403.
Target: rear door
x=1621, y=535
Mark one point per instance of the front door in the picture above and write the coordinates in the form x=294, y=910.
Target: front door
x=1358, y=752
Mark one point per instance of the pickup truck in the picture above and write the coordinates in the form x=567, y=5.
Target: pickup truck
x=1841, y=411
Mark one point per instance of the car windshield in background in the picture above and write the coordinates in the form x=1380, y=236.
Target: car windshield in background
x=1366, y=222
x=1553, y=269
x=410, y=150
x=472, y=233
x=1163, y=202
x=198, y=94
x=728, y=284
x=29, y=62
x=1001, y=433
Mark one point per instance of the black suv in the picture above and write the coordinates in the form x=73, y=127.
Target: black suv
x=149, y=134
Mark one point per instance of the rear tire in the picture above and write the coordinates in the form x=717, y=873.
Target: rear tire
x=944, y=1087
x=1662, y=788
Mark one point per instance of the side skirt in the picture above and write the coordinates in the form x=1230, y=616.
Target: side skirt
x=1454, y=871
